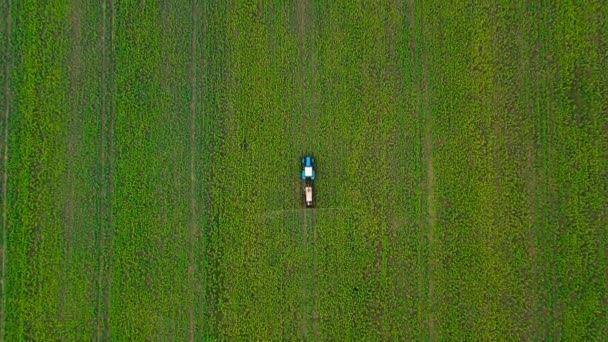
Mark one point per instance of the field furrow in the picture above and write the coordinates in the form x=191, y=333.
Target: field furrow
x=6, y=108
x=193, y=176
x=106, y=155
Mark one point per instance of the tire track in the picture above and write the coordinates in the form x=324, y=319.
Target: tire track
x=421, y=241
x=8, y=20
x=193, y=151
x=304, y=18
x=102, y=167
x=430, y=197
x=304, y=326
x=544, y=199
x=427, y=219
x=104, y=279
x=533, y=157
x=110, y=166
x=75, y=132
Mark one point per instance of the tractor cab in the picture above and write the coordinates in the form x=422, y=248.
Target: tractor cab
x=308, y=171
x=308, y=176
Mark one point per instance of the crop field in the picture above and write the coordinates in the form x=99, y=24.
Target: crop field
x=150, y=170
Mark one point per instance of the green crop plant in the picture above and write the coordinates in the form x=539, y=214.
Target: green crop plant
x=154, y=158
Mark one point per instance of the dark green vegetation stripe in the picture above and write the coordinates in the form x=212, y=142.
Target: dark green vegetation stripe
x=5, y=55
x=153, y=171
x=105, y=177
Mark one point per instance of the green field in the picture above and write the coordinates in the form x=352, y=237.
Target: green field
x=150, y=158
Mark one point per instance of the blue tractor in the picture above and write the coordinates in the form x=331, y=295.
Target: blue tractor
x=308, y=171
x=308, y=176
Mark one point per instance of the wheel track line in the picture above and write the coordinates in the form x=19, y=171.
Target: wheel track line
x=308, y=15
x=426, y=175
x=413, y=38
x=533, y=157
x=315, y=309
x=103, y=194
x=306, y=67
x=544, y=200
x=550, y=193
x=5, y=165
x=193, y=204
x=74, y=129
x=204, y=198
x=110, y=173
x=104, y=280
x=604, y=220
x=300, y=13
x=430, y=197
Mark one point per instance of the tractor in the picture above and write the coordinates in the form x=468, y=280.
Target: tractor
x=308, y=177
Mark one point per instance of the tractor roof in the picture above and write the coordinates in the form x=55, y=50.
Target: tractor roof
x=308, y=171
